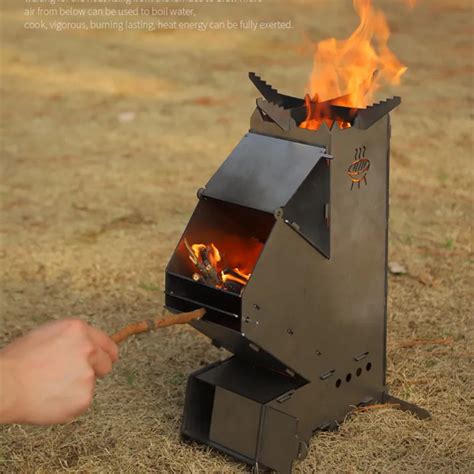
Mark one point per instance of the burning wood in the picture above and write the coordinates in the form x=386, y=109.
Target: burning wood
x=205, y=258
x=208, y=261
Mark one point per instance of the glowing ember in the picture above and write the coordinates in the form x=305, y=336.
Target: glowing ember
x=348, y=72
x=212, y=268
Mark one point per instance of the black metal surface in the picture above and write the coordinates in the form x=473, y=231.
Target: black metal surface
x=231, y=413
x=343, y=114
x=367, y=117
x=322, y=301
x=263, y=172
x=181, y=304
x=203, y=295
x=229, y=227
x=279, y=442
x=308, y=211
x=278, y=114
x=224, y=334
x=250, y=381
x=231, y=410
x=288, y=112
x=272, y=95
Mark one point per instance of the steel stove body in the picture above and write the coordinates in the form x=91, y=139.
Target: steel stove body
x=308, y=330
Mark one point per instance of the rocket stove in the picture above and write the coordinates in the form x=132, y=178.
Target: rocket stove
x=287, y=251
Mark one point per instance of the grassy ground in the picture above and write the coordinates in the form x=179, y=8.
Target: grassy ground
x=106, y=136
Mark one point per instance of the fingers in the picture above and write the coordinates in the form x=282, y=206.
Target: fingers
x=106, y=352
x=100, y=362
x=104, y=342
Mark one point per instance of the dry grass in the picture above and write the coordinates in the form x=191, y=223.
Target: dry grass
x=92, y=208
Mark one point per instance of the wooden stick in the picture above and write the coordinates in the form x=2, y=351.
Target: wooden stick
x=152, y=324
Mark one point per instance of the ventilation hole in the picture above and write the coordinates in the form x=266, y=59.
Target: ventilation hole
x=348, y=377
x=338, y=383
x=368, y=366
x=358, y=372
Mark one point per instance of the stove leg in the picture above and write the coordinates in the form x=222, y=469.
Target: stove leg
x=403, y=405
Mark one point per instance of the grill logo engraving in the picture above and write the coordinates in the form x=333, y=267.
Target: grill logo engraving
x=359, y=168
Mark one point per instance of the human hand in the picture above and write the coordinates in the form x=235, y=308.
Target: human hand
x=48, y=376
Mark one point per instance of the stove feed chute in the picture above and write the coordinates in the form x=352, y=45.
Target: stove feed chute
x=215, y=259
x=287, y=251
x=265, y=179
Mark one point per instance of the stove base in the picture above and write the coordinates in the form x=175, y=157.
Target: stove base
x=227, y=407
x=240, y=410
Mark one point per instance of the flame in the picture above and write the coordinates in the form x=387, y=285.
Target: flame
x=213, y=253
x=348, y=72
x=208, y=259
x=318, y=113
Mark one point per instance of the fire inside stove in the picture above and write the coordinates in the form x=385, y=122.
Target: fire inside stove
x=221, y=246
x=318, y=113
x=213, y=268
